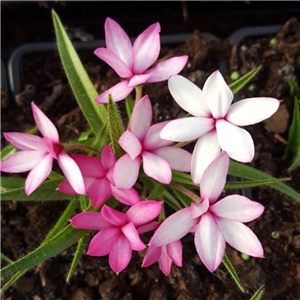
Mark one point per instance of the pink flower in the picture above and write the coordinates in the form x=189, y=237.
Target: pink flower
x=119, y=232
x=98, y=179
x=38, y=153
x=214, y=224
x=215, y=121
x=143, y=141
x=133, y=61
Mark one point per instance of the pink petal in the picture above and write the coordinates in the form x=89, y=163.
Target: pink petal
x=214, y=178
x=146, y=49
x=188, y=96
x=113, y=216
x=174, y=251
x=127, y=197
x=164, y=70
x=198, y=209
x=237, y=208
x=118, y=41
x=66, y=188
x=143, y=212
x=133, y=237
x=152, y=255
x=89, y=166
x=72, y=172
x=141, y=118
x=186, y=129
x=174, y=228
x=108, y=158
x=120, y=255
x=209, y=242
x=165, y=262
x=217, y=94
x=45, y=126
x=179, y=159
x=240, y=237
x=118, y=92
x=156, y=167
x=206, y=150
x=138, y=79
x=22, y=161
x=121, y=68
x=25, y=141
x=148, y=227
x=38, y=174
x=126, y=171
x=90, y=220
x=52, y=148
x=252, y=110
x=103, y=242
x=130, y=144
x=99, y=191
x=237, y=142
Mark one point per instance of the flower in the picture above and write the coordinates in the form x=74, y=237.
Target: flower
x=214, y=224
x=142, y=140
x=215, y=121
x=118, y=232
x=38, y=153
x=133, y=61
x=98, y=179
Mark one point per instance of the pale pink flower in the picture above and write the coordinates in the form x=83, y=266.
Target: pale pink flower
x=118, y=232
x=214, y=224
x=143, y=141
x=133, y=61
x=38, y=153
x=215, y=121
x=98, y=179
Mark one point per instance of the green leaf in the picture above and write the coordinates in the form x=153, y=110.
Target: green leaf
x=129, y=106
x=85, y=135
x=55, y=176
x=247, y=172
x=252, y=183
x=183, y=178
x=5, y=258
x=83, y=202
x=259, y=293
x=294, y=88
x=184, y=199
x=12, y=280
x=157, y=191
x=13, y=189
x=82, y=87
x=241, y=82
x=227, y=263
x=171, y=201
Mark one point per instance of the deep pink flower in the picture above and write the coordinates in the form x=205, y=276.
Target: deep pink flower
x=215, y=121
x=98, y=179
x=214, y=224
x=133, y=61
x=38, y=153
x=118, y=232
x=143, y=141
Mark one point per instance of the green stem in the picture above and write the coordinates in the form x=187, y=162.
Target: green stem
x=69, y=147
x=138, y=93
x=186, y=192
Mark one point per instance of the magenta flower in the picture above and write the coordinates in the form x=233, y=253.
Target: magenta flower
x=133, y=61
x=214, y=224
x=38, y=153
x=215, y=121
x=119, y=232
x=98, y=179
x=143, y=141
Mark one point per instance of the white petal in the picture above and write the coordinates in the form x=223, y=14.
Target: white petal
x=138, y=79
x=130, y=144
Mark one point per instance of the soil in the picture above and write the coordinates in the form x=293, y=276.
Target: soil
x=24, y=225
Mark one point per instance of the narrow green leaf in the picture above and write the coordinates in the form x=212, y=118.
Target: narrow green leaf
x=171, y=201
x=12, y=280
x=259, y=293
x=85, y=135
x=294, y=88
x=184, y=199
x=83, y=202
x=252, y=183
x=55, y=176
x=102, y=138
x=157, y=191
x=183, y=178
x=82, y=87
x=227, y=263
x=129, y=106
x=241, y=82
x=5, y=258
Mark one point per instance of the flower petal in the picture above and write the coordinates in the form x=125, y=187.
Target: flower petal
x=237, y=142
x=130, y=144
x=138, y=79
x=108, y=158
x=127, y=197
x=252, y=110
x=126, y=171
x=209, y=242
x=240, y=237
x=188, y=96
x=214, y=178
x=45, y=126
x=133, y=237
x=90, y=220
x=217, y=94
x=89, y=166
x=118, y=92
x=113, y=216
x=157, y=167
x=164, y=70
x=118, y=41
x=198, y=209
x=179, y=159
x=146, y=49
x=237, y=208
x=65, y=187
x=148, y=227
x=174, y=251
x=206, y=150
x=152, y=255
x=99, y=191
x=186, y=129
x=165, y=262
x=143, y=212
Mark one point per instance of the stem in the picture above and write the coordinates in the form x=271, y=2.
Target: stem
x=182, y=144
x=80, y=147
x=138, y=93
x=162, y=215
x=186, y=192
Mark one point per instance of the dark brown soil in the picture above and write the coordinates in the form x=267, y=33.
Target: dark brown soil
x=24, y=225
